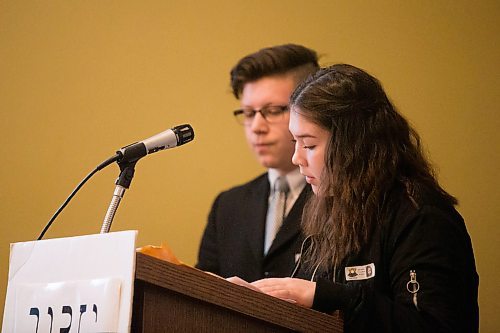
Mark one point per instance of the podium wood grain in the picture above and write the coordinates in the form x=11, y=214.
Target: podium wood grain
x=177, y=298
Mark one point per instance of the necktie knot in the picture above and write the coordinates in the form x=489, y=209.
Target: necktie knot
x=281, y=186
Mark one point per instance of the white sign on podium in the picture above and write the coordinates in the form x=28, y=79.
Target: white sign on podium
x=75, y=284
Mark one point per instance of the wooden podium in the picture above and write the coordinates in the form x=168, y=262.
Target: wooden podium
x=177, y=298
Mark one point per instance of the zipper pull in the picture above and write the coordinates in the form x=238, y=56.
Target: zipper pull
x=413, y=287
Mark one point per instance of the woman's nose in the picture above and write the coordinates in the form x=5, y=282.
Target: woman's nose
x=297, y=159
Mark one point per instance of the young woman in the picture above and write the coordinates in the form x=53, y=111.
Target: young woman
x=384, y=242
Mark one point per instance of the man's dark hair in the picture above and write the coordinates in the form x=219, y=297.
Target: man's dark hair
x=296, y=59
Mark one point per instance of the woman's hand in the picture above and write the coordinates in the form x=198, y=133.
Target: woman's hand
x=289, y=289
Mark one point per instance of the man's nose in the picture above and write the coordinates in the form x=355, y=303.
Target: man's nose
x=259, y=123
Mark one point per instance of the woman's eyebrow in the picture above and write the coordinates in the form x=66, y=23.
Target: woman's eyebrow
x=302, y=136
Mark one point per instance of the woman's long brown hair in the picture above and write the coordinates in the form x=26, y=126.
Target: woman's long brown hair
x=372, y=149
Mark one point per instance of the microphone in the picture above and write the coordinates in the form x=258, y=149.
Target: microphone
x=130, y=154
x=170, y=138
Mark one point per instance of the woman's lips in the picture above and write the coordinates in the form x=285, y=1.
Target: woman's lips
x=309, y=179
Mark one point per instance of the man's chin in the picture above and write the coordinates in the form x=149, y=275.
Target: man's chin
x=267, y=162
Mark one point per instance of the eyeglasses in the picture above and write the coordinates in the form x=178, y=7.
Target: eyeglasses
x=271, y=113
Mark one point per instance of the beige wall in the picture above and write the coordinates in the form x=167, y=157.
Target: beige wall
x=79, y=79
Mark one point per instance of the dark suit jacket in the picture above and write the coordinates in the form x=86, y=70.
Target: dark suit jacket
x=233, y=241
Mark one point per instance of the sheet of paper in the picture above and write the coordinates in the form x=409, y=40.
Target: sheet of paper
x=58, y=282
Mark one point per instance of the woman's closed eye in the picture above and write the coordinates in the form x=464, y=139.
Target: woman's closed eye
x=302, y=144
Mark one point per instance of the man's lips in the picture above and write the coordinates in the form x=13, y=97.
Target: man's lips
x=262, y=144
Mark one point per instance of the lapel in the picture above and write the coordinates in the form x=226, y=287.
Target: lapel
x=291, y=225
x=256, y=202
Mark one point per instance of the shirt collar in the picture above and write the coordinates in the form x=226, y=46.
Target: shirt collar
x=295, y=180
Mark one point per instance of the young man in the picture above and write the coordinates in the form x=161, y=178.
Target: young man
x=253, y=230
